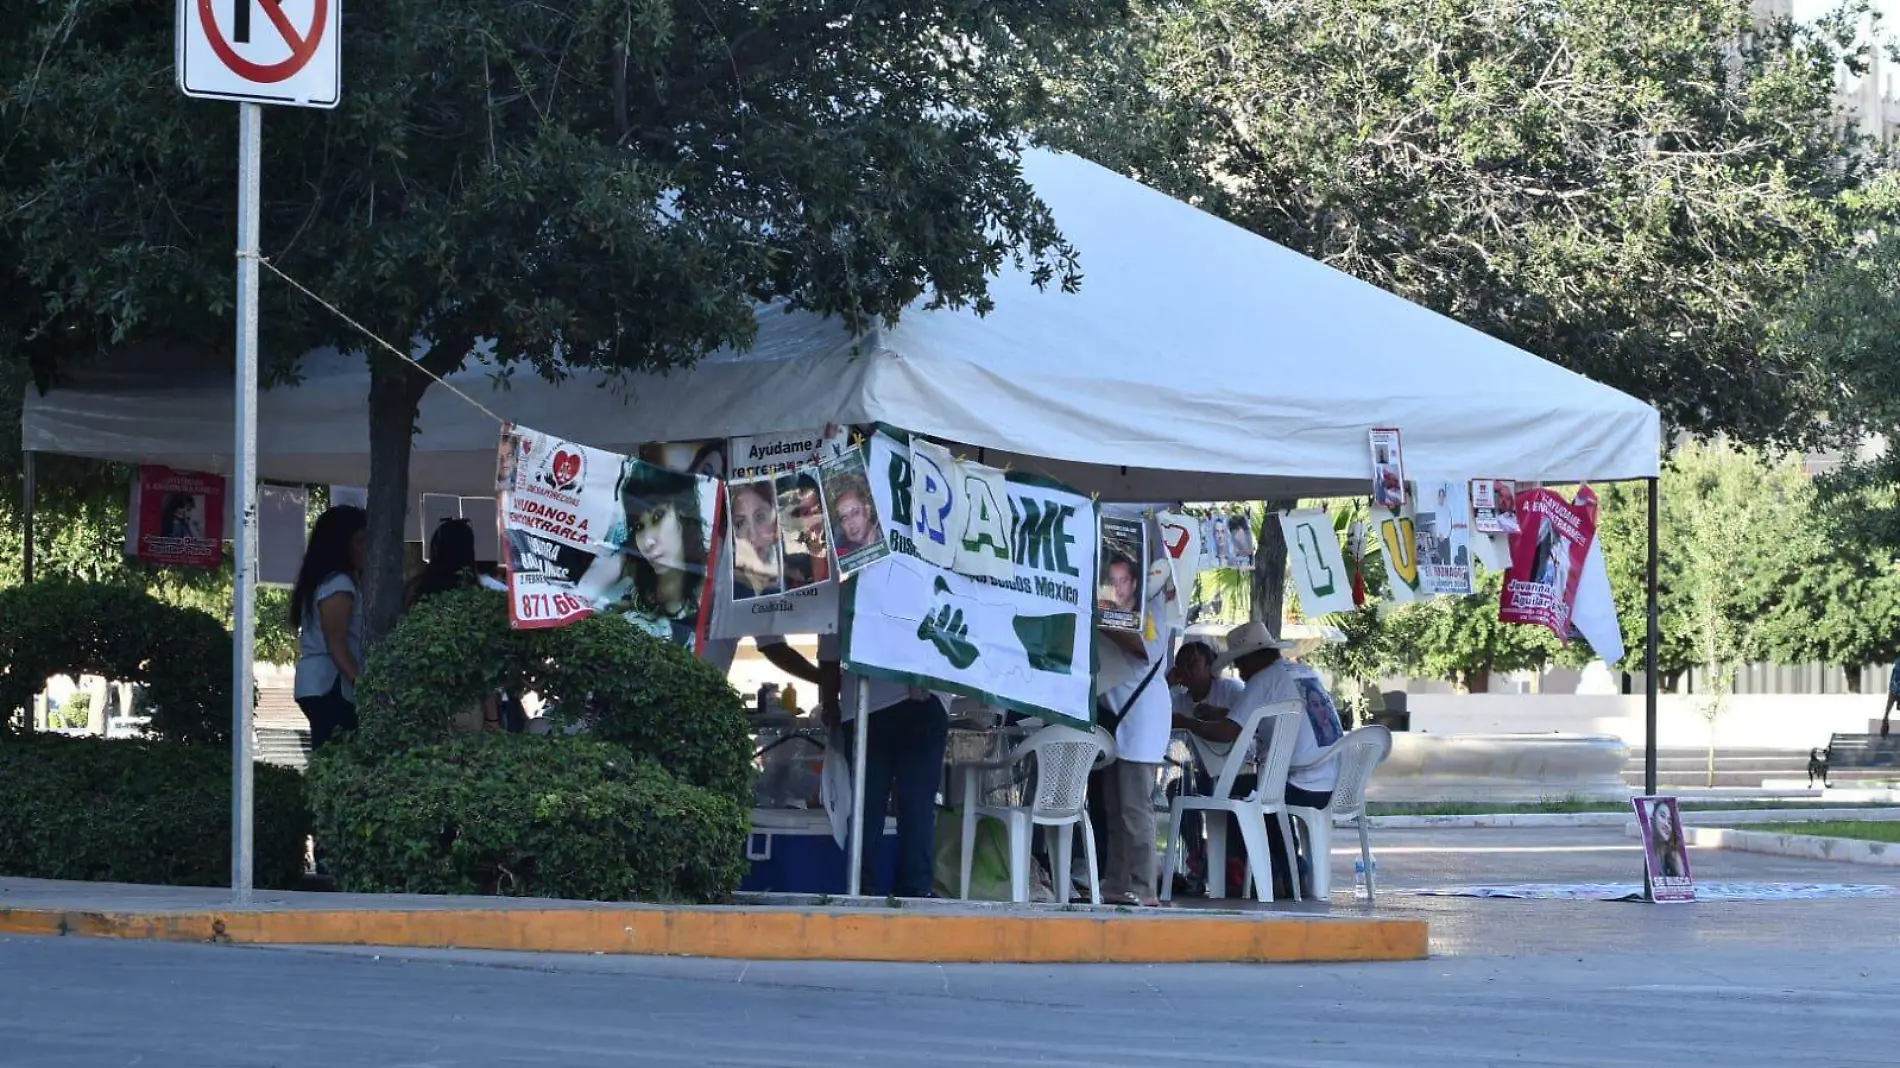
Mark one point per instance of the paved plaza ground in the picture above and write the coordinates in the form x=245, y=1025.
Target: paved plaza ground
x=1739, y=985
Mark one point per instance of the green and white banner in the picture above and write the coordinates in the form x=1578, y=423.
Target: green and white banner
x=1025, y=642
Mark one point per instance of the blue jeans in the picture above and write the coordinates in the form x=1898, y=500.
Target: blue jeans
x=903, y=768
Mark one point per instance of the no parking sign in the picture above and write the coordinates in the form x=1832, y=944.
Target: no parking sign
x=261, y=51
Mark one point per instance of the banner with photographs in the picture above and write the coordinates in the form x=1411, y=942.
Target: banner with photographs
x=1316, y=563
x=1180, y=549
x=591, y=531
x=1123, y=567
x=1388, y=468
x=1227, y=542
x=1397, y=531
x=1548, y=554
x=1444, y=539
x=1024, y=643
x=1494, y=505
x=176, y=518
x=1666, y=875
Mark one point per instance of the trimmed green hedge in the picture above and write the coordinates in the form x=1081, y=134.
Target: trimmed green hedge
x=522, y=815
x=181, y=656
x=141, y=812
x=623, y=684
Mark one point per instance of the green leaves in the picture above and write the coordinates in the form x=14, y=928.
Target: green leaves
x=141, y=812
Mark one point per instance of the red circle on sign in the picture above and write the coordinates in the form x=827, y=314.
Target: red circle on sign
x=301, y=49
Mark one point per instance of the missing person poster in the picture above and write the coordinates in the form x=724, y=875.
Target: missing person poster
x=857, y=532
x=592, y=531
x=1024, y=643
x=1494, y=506
x=1388, y=468
x=1547, y=559
x=1123, y=568
x=176, y=518
x=1317, y=565
x=1666, y=875
x=1444, y=540
x=801, y=524
x=758, y=551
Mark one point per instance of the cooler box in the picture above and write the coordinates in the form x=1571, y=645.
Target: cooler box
x=792, y=852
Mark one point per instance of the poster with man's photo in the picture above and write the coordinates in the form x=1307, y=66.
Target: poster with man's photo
x=1665, y=849
x=1444, y=539
x=1122, y=560
x=592, y=531
x=857, y=532
x=176, y=518
x=1494, y=505
x=801, y=523
x=1547, y=559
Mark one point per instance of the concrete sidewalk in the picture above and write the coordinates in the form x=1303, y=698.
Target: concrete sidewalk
x=859, y=930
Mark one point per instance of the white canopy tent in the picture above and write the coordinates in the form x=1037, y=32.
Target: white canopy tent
x=1198, y=362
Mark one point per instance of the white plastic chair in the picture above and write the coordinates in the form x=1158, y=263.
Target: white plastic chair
x=1267, y=799
x=1064, y=757
x=1359, y=753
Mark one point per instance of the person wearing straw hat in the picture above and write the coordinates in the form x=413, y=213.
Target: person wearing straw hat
x=1270, y=678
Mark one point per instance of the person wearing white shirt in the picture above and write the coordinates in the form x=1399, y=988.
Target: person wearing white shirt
x=1199, y=695
x=1271, y=679
x=1141, y=744
x=903, y=761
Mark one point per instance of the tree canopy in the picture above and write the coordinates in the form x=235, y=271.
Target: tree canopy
x=1622, y=188
x=613, y=184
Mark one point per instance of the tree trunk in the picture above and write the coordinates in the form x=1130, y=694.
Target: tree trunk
x=395, y=392
x=1269, y=568
x=1852, y=675
x=1478, y=681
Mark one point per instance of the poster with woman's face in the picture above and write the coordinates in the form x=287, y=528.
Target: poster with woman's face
x=802, y=528
x=1665, y=849
x=667, y=543
x=758, y=559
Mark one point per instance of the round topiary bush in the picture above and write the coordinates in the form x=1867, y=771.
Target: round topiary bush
x=181, y=656
x=522, y=815
x=141, y=812
x=622, y=684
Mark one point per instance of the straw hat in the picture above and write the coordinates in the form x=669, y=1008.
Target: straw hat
x=1246, y=639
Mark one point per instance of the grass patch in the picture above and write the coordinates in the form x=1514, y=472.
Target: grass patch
x=1866, y=830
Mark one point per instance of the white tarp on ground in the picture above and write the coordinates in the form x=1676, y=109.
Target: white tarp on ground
x=1198, y=362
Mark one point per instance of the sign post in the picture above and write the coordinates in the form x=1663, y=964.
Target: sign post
x=290, y=56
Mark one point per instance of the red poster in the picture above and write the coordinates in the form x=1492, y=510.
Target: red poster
x=1547, y=555
x=177, y=518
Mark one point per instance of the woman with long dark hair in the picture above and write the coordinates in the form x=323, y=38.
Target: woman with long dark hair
x=451, y=561
x=328, y=614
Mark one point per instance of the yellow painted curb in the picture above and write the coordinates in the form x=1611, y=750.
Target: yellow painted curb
x=774, y=934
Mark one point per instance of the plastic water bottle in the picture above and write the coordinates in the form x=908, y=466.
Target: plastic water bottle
x=1361, y=885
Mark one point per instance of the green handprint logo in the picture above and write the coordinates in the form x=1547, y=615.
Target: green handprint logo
x=944, y=627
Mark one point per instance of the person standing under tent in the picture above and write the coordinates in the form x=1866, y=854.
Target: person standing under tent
x=1141, y=745
x=328, y=615
x=903, y=759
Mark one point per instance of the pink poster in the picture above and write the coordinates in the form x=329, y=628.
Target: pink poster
x=177, y=518
x=1547, y=557
x=1665, y=849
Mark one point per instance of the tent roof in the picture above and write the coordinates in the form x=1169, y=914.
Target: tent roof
x=1198, y=362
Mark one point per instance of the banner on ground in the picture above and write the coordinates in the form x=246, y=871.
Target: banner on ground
x=176, y=518
x=1318, y=567
x=1024, y=643
x=1548, y=553
x=1444, y=540
x=1666, y=875
x=591, y=531
x=1397, y=531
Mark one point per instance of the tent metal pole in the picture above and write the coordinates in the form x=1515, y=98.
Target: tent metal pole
x=26, y=558
x=1651, y=642
x=861, y=734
